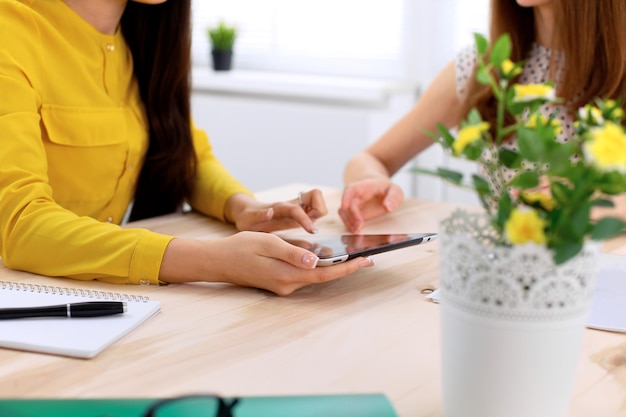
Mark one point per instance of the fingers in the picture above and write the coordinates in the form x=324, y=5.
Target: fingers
x=349, y=211
x=350, y=193
x=302, y=211
x=289, y=215
x=263, y=260
x=284, y=215
x=299, y=212
x=393, y=198
x=352, y=218
x=330, y=273
x=368, y=199
x=313, y=203
x=300, y=278
x=255, y=219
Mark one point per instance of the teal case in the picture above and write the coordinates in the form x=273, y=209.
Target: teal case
x=357, y=405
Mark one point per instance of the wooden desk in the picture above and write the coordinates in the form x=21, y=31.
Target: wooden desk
x=369, y=332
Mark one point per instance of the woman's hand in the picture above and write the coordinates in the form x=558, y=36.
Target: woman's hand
x=248, y=214
x=250, y=259
x=367, y=199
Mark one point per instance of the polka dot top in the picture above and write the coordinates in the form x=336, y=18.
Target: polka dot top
x=536, y=70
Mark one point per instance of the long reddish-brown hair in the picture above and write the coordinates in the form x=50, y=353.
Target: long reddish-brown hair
x=160, y=42
x=590, y=35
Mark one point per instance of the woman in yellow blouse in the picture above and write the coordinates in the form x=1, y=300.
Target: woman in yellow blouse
x=94, y=115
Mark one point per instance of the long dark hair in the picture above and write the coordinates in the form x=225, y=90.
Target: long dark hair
x=159, y=37
x=590, y=34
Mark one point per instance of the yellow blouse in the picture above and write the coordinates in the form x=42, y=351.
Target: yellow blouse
x=72, y=140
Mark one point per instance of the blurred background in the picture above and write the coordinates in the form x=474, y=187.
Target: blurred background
x=313, y=82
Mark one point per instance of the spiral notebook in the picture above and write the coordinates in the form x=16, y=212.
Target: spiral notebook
x=75, y=337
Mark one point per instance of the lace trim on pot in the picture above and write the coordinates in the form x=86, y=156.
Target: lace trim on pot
x=518, y=282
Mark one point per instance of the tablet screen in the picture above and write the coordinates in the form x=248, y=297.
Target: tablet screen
x=340, y=248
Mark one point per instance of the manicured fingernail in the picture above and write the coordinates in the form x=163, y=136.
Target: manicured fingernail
x=310, y=260
x=314, y=230
x=367, y=262
x=270, y=213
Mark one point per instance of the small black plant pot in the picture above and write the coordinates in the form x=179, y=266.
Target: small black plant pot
x=222, y=60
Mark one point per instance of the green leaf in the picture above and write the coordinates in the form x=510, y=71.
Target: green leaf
x=612, y=183
x=481, y=43
x=449, y=175
x=526, y=180
x=222, y=36
x=513, y=107
x=474, y=150
x=501, y=50
x=565, y=251
x=483, y=76
x=603, y=202
x=578, y=221
x=561, y=193
x=432, y=135
x=607, y=227
x=509, y=158
x=530, y=144
x=505, y=206
x=474, y=117
x=560, y=156
x=481, y=185
x=446, y=135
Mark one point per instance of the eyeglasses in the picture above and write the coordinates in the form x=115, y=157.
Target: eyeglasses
x=193, y=406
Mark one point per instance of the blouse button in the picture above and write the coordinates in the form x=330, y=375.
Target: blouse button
x=110, y=219
x=110, y=47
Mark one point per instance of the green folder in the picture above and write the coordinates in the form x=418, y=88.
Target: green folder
x=352, y=405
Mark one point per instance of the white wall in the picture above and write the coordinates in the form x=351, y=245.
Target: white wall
x=272, y=130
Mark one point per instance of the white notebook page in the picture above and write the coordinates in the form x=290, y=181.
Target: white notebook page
x=608, y=311
x=76, y=337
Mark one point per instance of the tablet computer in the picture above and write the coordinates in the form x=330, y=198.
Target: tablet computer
x=340, y=248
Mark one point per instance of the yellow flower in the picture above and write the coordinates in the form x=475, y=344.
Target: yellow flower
x=538, y=118
x=530, y=92
x=591, y=111
x=525, y=226
x=545, y=200
x=507, y=67
x=467, y=135
x=617, y=111
x=606, y=148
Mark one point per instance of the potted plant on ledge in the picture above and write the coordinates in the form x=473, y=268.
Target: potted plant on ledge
x=222, y=38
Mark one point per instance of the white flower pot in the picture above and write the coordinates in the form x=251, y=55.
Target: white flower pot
x=512, y=322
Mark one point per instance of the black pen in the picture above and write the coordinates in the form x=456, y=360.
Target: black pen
x=88, y=309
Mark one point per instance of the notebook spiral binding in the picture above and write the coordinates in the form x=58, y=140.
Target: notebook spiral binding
x=79, y=292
